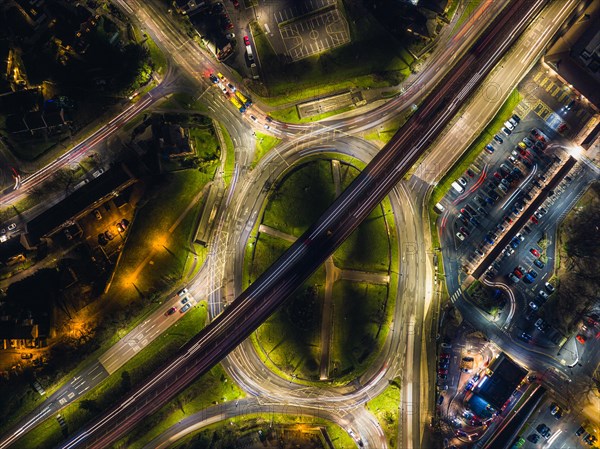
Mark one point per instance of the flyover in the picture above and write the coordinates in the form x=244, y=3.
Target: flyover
x=270, y=290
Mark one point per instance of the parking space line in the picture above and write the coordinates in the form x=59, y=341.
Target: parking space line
x=544, y=81
x=537, y=76
x=550, y=86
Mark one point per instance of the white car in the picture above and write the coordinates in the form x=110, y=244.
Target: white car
x=12, y=226
x=182, y=292
x=463, y=181
x=460, y=236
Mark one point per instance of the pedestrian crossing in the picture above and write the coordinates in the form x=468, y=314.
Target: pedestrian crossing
x=456, y=295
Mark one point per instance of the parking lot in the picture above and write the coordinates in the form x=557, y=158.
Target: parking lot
x=507, y=179
x=104, y=227
x=316, y=34
x=295, y=10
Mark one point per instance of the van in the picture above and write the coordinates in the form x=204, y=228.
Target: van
x=509, y=125
x=456, y=186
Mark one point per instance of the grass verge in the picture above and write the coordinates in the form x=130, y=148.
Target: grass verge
x=268, y=429
x=385, y=408
x=157, y=248
x=48, y=434
x=471, y=153
x=229, y=156
x=264, y=143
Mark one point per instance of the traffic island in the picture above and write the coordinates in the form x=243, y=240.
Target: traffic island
x=335, y=324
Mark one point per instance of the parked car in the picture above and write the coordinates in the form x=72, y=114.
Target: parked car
x=535, y=252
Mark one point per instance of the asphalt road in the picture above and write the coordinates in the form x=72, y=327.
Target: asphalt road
x=354, y=125
x=274, y=286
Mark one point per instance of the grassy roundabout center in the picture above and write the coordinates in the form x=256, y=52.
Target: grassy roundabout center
x=336, y=322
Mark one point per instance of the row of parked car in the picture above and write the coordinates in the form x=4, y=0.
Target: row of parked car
x=507, y=176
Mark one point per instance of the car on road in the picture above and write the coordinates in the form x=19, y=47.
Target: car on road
x=185, y=308
x=213, y=78
x=171, y=311
x=246, y=40
x=535, y=252
x=549, y=287
x=525, y=336
x=253, y=118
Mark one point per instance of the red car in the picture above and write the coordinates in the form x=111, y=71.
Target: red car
x=236, y=4
x=246, y=40
x=581, y=339
x=171, y=311
x=497, y=175
x=535, y=252
x=444, y=356
x=507, y=219
x=534, y=219
x=442, y=371
x=518, y=273
x=562, y=128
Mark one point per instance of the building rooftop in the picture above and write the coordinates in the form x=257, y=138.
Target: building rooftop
x=48, y=222
x=575, y=56
x=503, y=377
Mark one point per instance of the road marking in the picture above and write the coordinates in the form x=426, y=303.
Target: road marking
x=456, y=295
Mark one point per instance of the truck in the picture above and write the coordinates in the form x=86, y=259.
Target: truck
x=249, y=51
x=243, y=99
x=237, y=104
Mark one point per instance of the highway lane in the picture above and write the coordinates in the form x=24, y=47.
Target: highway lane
x=143, y=334
x=244, y=364
x=267, y=293
x=118, y=121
